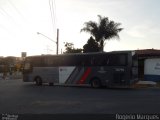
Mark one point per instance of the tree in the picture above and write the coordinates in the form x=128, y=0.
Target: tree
x=70, y=48
x=105, y=29
x=91, y=46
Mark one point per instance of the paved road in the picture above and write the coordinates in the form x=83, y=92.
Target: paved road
x=18, y=97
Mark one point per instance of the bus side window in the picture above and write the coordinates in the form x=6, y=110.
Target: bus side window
x=102, y=60
x=107, y=61
x=96, y=61
x=92, y=61
x=135, y=63
x=117, y=60
x=59, y=60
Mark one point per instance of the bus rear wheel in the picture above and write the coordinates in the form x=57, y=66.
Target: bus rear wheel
x=38, y=81
x=95, y=83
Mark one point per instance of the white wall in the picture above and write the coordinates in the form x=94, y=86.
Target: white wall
x=152, y=66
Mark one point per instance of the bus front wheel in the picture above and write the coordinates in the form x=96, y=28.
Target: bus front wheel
x=38, y=81
x=95, y=83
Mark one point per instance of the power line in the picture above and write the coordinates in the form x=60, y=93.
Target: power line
x=5, y=13
x=54, y=2
x=53, y=14
x=16, y=9
x=11, y=19
x=11, y=22
x=20, y=14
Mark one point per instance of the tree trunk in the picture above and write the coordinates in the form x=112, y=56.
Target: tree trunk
x=101, y=46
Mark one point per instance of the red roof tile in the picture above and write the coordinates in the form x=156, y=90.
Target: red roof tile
x=148, y=52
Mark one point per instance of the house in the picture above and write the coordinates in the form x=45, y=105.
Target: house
x=144, y=54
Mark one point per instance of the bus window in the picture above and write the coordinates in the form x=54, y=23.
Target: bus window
x=117, y=60
x=122, y=60
x=134, y=61
x=100, y=60
x=35, y=61
x=27, y=68
x=51, y=61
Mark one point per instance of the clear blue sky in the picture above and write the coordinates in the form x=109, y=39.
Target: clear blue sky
x=22, y=19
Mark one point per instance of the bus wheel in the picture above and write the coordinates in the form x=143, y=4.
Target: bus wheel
x=38, y=81
x=95, y=83
x=51, y=84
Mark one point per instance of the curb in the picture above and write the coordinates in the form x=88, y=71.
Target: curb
x=146, y=84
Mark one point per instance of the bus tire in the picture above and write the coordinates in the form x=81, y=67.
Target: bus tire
x=95, y=83
x=38, y=81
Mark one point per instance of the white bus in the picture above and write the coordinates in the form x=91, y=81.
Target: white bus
x=111, y=69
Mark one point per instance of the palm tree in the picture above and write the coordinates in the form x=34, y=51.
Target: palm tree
x=104, y=30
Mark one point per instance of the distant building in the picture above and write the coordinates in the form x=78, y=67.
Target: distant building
x=10, y=63
x=144, y=54
x=1, y=60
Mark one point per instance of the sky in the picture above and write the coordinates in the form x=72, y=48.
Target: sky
x=20, y=20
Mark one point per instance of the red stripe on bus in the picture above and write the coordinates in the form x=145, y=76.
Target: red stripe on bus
x=85, y=75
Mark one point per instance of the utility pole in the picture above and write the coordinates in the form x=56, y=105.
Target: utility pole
x=57, y=40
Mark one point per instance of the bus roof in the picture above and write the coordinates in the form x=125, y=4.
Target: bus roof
x=91, y=53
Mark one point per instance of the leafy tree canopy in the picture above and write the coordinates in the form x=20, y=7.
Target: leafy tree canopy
x=70, y=48
x=91, y=46
x=102, y=30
